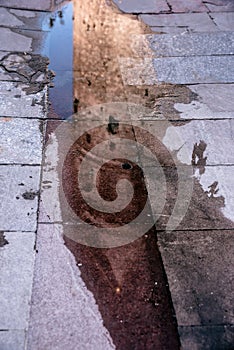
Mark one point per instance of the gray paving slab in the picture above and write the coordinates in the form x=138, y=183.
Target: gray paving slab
x=12, y=39
x=213, y=101
x=207, y=337
x=142, y=6
x=21, y=141
x=180, y=139
x=17, y=263
x=190, y=201
x=19, y=197
x=137, y=71
x=187, y=6
x=43, y=5
x=224, y=20
x=193, y=70
x=194, y=22
x=13, y=18
x=199, y=267
x=63, y=311
x=196, y=44
x=12, y=339
x=15, y=102
x=220, y=5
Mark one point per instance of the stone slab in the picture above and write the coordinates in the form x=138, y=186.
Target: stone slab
x=214, y=101
x=199, y=268
x=202, y=44
x=142, y=6
x=193, y=22
x=207, y=337
x=11, y=340
x=187, y=6
x=63, y=311
x=21, y=141
x=20, y=40
x=19, y=197
x=181, y=138
x=189, y=196
x=193, y=70
x=13, y=18
x=224, y=20
x=17, y=263
x=220, y=5
x=15, y=102
x=43, y=5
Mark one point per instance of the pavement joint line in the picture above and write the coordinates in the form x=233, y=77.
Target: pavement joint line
x=21, y=164
x=26, y=9
x=25, y=29
x=196, y=229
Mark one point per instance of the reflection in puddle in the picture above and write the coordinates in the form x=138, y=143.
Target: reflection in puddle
x=59, y=48
x=128, y=282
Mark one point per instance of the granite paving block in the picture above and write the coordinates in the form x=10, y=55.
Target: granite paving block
x=14, y=18
x=193, y=70
x=208, y=197
x=43, y=5
x=202, y=44
x=17, y=263
x=142, y=6
x=199, y=268
x=194, y=22
x=15, y=102
x=213, y=101
x=207, y=337
x=220, y=5
x=181, y=139
x=12, y=339
x=12, y=39
x=19, y=197
x=64, y=312
x=224, y=20
x=187, y=6
x=21, y=141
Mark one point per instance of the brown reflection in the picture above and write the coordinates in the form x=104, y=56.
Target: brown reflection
x=101, y=35
x=128, y=282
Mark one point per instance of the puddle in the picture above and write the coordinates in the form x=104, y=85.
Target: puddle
x=59, y=48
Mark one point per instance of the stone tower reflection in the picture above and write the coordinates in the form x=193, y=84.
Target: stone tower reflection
x=101, y=35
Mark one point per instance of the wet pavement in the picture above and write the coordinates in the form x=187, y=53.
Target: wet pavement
x=116, y=168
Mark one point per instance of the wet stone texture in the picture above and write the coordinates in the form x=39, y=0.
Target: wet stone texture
x=17, y=211
x=205, y=301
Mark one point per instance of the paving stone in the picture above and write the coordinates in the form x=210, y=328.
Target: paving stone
x=142, y=6
x=11, y=340
x=19, y=197
x=224, y=20
x=17, y=263
x=13, y=18
x=21, y=141
x=12, y=41
x=187, y=6
x=202, y=44
x=15, y=102
x=220, y=5
x=59, y=296
x=207, y=337
x=43, y=5
x=214, y=102
x=21, y=40
x=199, y=268
x=193, y=70
x=181, y=138
x=194, y=22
